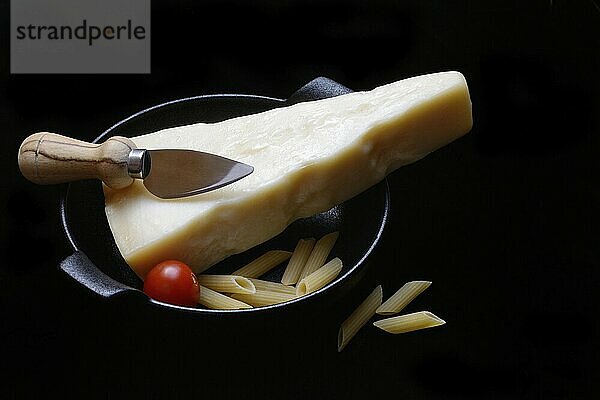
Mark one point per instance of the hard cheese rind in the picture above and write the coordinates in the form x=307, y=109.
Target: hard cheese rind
x=307, y=158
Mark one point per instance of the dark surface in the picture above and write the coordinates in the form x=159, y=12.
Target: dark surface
x=504, y=221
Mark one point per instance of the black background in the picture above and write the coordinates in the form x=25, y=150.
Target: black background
x=504, y=221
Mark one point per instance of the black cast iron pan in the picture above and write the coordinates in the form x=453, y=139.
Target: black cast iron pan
x=97, y=264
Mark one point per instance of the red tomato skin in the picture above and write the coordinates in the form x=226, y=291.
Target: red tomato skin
x=172, y=282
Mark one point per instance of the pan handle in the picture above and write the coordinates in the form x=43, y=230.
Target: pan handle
x=80, y=268
x=318, y=88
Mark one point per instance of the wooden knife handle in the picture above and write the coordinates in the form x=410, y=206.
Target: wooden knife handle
x=47, y=158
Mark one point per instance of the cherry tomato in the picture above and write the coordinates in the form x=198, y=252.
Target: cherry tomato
x=172, y=282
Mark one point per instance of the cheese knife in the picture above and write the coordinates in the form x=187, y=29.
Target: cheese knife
x=47, y=158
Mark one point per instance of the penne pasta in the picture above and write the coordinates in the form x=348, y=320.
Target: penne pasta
x=268, y=286
x=263, y=264
x=215, y=300
x=409, y=322
x=297, y=262
x=402, y=297
x=261, y=298
x=319, y=254
x=319, y=278
x=359, y=318
x=227, y=283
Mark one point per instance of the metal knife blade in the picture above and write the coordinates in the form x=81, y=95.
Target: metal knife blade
x=173, y=173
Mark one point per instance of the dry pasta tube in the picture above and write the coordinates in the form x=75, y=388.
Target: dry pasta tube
x=263, y=264
x=403, y=297
x=227, y=283
x=359, y=318
x=215, y=300
x=319, y=278
x=268, y=286
x=260, y=298
x=297, y=262
x=319, y=254
x=409, y=322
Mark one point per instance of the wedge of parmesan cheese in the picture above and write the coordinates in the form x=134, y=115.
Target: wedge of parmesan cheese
x=307, y=158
